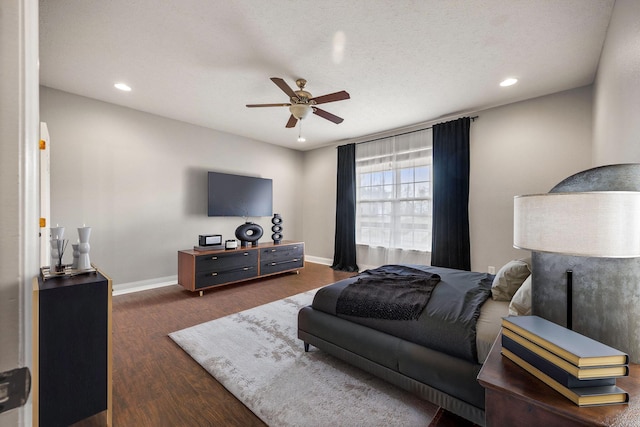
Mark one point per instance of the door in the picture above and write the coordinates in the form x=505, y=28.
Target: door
x=45, y=194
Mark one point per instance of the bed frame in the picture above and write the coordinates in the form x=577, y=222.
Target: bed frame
x=444, y=380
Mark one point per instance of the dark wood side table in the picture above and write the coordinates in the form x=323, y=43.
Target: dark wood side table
x=72, y=349
x=513, y=397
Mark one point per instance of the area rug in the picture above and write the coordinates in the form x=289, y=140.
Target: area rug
x=257, y=356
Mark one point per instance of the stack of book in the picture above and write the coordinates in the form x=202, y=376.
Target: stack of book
x=580, y=368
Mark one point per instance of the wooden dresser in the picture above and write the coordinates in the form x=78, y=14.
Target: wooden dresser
x=200, y=270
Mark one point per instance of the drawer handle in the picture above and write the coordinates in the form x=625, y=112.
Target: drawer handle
x=284, y=262
x=214, y=257
x=273, y=250
x=246, y=254
x=214, y=274
x=246, y=268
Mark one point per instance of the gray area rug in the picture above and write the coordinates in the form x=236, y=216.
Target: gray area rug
x=257, y=356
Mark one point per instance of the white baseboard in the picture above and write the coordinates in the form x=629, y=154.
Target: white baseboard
x=144, y=285
x=329, y=261
x=318, y=260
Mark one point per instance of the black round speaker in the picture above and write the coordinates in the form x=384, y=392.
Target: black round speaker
x=249, y=233
x=276, y=228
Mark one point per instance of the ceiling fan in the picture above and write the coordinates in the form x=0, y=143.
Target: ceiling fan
x=302, y=103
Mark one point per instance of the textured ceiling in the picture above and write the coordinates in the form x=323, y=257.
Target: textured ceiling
x=403, y=62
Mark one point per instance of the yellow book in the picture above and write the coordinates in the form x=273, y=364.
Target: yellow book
x=575, y=348
x=581, y=396
x=580, y=373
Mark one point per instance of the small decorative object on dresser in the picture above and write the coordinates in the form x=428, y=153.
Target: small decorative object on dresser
x=76, y=255
x=57, y=233
x=209, y=239
x=209, y=242
x=249, y=232
x=61, y=245
x=277, y=228
x=83, y=248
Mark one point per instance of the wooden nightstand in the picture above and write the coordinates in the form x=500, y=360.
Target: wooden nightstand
x=513, y=397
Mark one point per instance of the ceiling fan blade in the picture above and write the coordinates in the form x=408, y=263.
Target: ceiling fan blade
x=268, y=105
x=284, y=86
x=326, y=115
x=292, y=122
x=332, y=97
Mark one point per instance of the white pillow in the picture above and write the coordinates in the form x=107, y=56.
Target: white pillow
x=509, y=278
x=521, y=302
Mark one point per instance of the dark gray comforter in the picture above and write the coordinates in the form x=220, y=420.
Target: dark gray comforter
x=447, y=324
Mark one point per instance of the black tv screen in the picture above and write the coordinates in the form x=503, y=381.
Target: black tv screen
x=238, y=195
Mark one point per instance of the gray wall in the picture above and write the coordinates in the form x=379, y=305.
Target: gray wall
x=140, y=182
x=319, y=202
x=525, y=147
x=617, y=89
x=522, y=148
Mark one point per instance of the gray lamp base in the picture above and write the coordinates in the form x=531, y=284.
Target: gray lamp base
x=606, y=297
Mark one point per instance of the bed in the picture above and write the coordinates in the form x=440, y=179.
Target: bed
x=435, y=354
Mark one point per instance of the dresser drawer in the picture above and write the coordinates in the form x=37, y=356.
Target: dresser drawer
x=223, y=261
x=270, y=267
x=212, y=278
x=281, y=253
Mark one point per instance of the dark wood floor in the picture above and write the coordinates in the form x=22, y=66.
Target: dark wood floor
x=155, y=383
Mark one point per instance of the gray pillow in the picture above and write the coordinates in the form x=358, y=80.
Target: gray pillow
x=520, y=304
x=509, y=279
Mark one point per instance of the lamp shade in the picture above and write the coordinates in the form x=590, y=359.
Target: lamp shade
x=591, y=224
x=300, y=111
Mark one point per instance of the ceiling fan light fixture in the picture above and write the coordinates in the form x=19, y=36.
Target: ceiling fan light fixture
x=302, y=103
x=300, y=111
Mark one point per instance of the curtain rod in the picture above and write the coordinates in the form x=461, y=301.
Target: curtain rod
x=400, y=134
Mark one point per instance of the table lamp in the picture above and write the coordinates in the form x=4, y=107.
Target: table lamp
x=603, y=224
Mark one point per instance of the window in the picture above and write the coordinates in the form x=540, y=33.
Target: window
x=393, y=192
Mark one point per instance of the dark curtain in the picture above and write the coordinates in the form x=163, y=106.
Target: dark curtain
x=344, y=255
x=450, y=235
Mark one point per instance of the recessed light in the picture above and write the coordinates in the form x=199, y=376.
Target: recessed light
x=508, y=82
x=123, y=87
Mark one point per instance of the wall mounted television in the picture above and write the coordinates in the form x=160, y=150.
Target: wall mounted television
x=239, y=195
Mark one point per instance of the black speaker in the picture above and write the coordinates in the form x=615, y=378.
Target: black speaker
x=276, y=228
